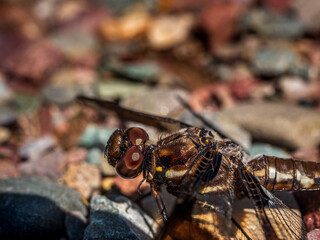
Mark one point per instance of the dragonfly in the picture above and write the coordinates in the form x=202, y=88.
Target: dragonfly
x=194, y=164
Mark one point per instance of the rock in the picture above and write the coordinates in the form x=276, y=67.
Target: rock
x=106, y=168
x=83, y=177
x=169, y=106
x=277, y=123
x=274, y=25
x=270, y=62
x=8, y=169
x=30, y=60
x=36, y=148
x=27, y=103
x=219, y=20
x=118, y=219
x=49, y=165
x=314, y=234
x=34, y=208
x=294, y=88
x=6, y=93
x=74, y=78
x=75, y=44
x=61, y=96
x=95, y=136
x=168, y=31
x=131, y=25
x=308, y=12
x=228, y=127
x=147, y=71
x=267, y=149
x=310, y=208
x=77, y=155
x=95, y=156
x=7, y=116
x=118, y=88
x=129, y=187
x=75, y=223
x=4, y=134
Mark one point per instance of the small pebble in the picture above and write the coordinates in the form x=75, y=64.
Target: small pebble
x=83, y=177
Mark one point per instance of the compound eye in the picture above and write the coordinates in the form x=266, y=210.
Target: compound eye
x=128, y=166
x=137, y=135
x=133, y=157
x=113, y=148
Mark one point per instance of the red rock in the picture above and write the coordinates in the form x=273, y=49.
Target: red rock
x=8, y=169
x=48, y=164
x=28, y=62
x=219, y=19
x=314, y=234
x=277, y=6
x=225, y=93
x=310, y=208
x=129, y=186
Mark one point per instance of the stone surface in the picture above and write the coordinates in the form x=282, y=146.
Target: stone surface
x=35, y=208
x=118, y=219
x=138, y=71
x=273, y=25
x=267, y=149
x=4, y=134
x=7, y=116
x=170, y=30
x=61, y=96
x=169, y=106
x=229, y=127
x=131, y=25
x=47, y=164
x=314, y=234
x=271, y=62
x=95, y=136
x=118, y=88
x=75, y=44
x=83, y=177
x=310, y=208
x=277, y=123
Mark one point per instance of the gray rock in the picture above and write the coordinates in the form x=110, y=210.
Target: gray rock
x=7, y=116
x=35, y=208
x=271, y=62
x=118, y=220
x=37, y=147
x=118, y=88
x=95, y=136
x=277, y=123
x=6, y=93
x=95, y=156
x=160, y=101
x=267, y=149
x=270, y=24
x=61, y=96
x=229, y=127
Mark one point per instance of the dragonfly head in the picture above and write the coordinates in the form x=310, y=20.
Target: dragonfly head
x=125, y=151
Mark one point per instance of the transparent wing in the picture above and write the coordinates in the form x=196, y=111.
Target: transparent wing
x=276, y=219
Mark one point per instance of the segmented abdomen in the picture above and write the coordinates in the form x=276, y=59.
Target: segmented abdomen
x=285, y=174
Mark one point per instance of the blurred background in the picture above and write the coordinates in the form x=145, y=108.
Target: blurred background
x=249, y=66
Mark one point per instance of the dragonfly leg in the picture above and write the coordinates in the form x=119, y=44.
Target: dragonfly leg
x=161, y=206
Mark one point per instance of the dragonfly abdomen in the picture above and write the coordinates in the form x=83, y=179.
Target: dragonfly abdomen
x=285, y=174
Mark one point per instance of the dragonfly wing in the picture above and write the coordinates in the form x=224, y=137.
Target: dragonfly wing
x=125, y=114
x=276, y=219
